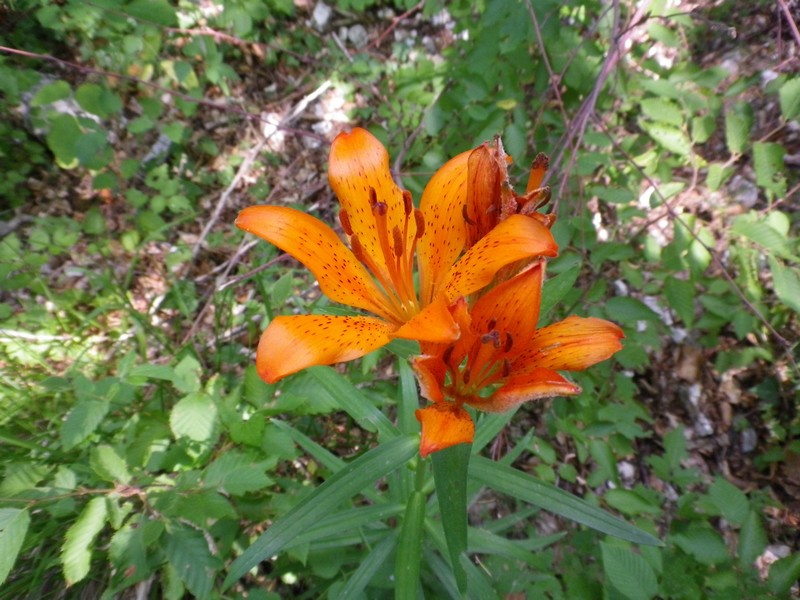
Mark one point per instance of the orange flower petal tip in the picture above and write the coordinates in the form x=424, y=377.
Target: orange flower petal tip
x=444, y=425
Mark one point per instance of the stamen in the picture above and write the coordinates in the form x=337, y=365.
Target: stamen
x=509, y=342
x=465, y=374
x=379, y=208
x=491, y=338
x=357, y=248
x=344, y=219
x=491, y=324
x=408, y=203
x=373, y=196
x=397, y=238
x=420, y=219
x=506, y=368
x=447, y=355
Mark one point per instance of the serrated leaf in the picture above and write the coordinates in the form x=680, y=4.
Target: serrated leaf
x=789, y=96
x=669, y=137
x=51, y=92
x=62, y=140
x=237, y=474
x=13, y=528
x=737, y=130
x=153, y=11
x=729, y=500
x=629, y=310
x=718, y=174
x=345, y=483
x=187, y=375
x=108, y=465
x=786, y=283
x=524, y=487
x=82, y=421
x=784, y=573
x=768, y=164
x=188, y=552
x=76, y=552
x=663, y=111
x=630, y=503
x=764, y=235
x=629, y=573
x=680, y=296
x=162, y=372
x=194, y=417
x=752, y=539
x=703, y=543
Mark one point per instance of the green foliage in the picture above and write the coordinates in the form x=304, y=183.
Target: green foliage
x=140, y=444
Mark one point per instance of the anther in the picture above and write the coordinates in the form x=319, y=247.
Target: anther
x=509, y=342
x=447, y=355
x=344, y=219
x=373, y=196
x=465, y=374
x=408, y=203
x=491, y=324
x=397, y=237
x=420, y=219
x=357, y=248
x=379, y=209
x=506, y=368
x=491, y=338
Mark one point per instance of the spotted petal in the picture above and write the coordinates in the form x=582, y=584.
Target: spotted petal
x=573, y=344
x=445, y=234
x=359, y=162
x=290, y=344
x=341, y=277
x=444, y=425
x=533, y=384
x=514, y=239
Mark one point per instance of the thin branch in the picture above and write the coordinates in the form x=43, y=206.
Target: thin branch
x=396, y=21
x=790, y=20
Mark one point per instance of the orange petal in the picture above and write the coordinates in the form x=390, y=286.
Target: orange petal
x=515, y=238
x=434, y=323
x=445, y=234
x=486, y=173
x=571, y=345
x=290, y=344
x=444, y=425
x=358, y=161
x=538, y=170
x=522, y=387
x=513, y=306
x=341, y=277
x=430, y=372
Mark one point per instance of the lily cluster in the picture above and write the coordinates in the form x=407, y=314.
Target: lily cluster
x=480, y=251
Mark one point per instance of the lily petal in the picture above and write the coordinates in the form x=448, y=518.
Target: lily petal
x=445, y=234
x=512, y=307
x=434, y=323
x=444, y=425
x=515, y=238
x=572, y=344
x=341, y=277
x=359, y=162
x=430, y=371
x=522, y=387
x=290, y=344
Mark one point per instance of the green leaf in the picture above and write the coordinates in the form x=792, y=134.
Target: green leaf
x=524, y=487
x=98, y=100
x=187, y=550
x=194, y=417
x=187, y=374
x=764, y=235
x=737, y=130
x=51, y=92
x=630, y=503
x=555, y=288
x=13, y=528
x=786, y=283
x=629, y=573
x=784, y=573
x=409, y=548
x=153, y=11
x=62, y=139
x=76, y=552
x=752, y=539
x=629, y=310
x=344, y=484
x=348, y=520
x=669, y=137
x=81, y=421
x=768, y=164
x=367, y=569
x=718, y=173
x=703, y=543
x=729, y=500
x=450, y=468
x=663, y=111
x=354, y=403
x=789, y=96
x=108, y=465
x=680, y=296
x=237, y=474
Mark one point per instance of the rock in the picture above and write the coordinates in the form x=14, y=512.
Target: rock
x=358, y=35
x=321, y=15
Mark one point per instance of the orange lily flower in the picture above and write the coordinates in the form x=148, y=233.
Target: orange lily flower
x=376, y=273
x=501, y=359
